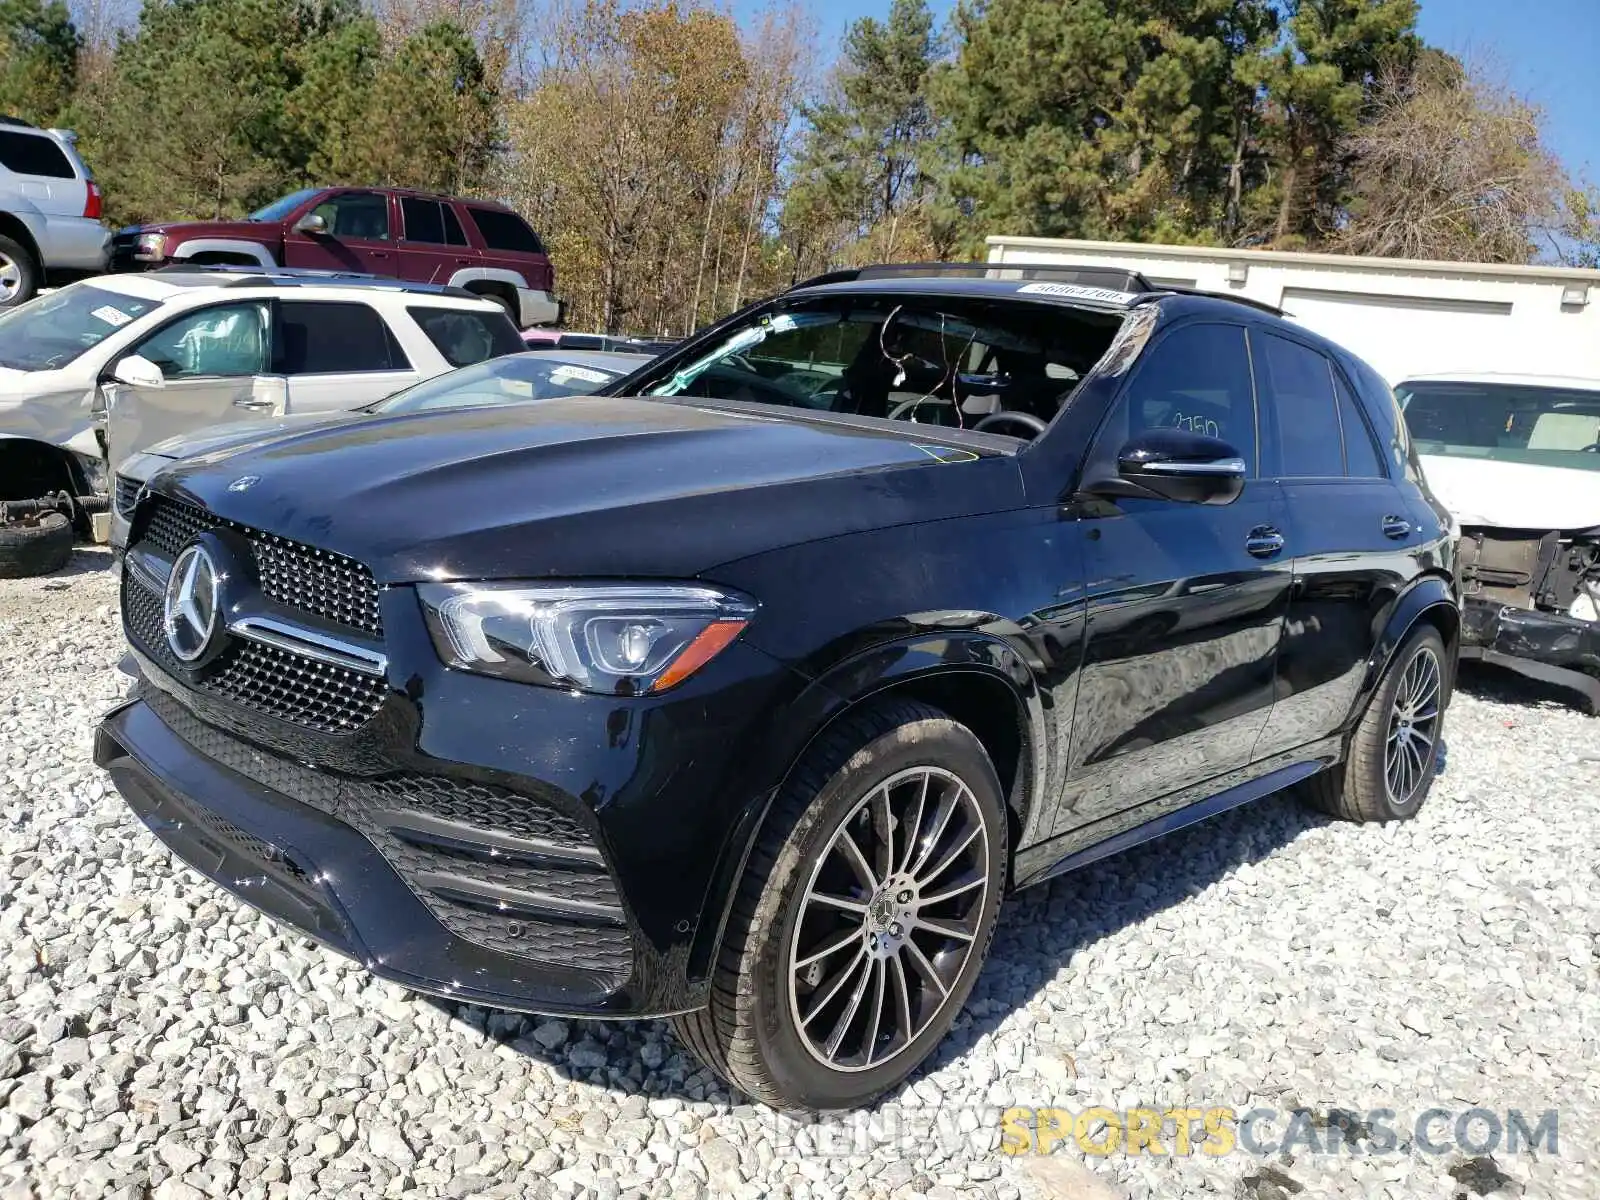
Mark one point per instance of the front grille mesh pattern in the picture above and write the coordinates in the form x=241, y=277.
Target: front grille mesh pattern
x=279, y=683
x=367, y=806
x=126, y=495
x=316, y=581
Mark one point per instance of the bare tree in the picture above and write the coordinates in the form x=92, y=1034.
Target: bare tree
x=1453, y=166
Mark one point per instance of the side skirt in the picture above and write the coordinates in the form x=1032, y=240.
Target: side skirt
x=1160, y=817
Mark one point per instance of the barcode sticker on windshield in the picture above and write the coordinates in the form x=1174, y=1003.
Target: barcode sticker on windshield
x=561, y=374
x=1071, y=291
x=111, y=316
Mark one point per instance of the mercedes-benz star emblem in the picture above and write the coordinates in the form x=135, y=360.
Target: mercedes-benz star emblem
x=189, y=608
x=244, y=483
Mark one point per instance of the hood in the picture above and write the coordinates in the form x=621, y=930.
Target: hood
x=587, y=486
x=194, y=229
x=1481, y=491
x=242, y=433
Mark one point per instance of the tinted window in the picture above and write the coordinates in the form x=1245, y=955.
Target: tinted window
x=33, y=154
x=506, y=231
x=227, y=341
x=452, y=227
x=1296, y=386
x=464, y=338
x=322, y=338
x=356, y=215
x=1196, y=378
x=422, y=220
x=1360, y=455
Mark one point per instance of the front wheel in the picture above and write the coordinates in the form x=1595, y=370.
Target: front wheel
x=1394, y=750
x=864, y=916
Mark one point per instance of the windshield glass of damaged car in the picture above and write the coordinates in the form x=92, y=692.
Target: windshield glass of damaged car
x=55, y=329
x=905, y=362
x=1543, y=426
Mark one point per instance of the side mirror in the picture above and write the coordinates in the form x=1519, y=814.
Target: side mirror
x=1179, y=465
x=312, y=223
x=138, y=372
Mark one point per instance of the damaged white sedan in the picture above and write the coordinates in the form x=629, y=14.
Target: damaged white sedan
x=1516, y=459
x=103, y=369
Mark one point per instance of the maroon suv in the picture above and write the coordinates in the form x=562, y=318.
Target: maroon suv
x=473, y=244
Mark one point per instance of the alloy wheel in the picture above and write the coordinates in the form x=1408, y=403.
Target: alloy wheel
x=10, y=279
x=1413, y=727
x=888, y=919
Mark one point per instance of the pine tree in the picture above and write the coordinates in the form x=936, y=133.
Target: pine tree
x=39, y=49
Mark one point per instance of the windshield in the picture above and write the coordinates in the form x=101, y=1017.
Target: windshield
x=1507, y=422
x=499, y=381
x=284, y=205
x=55, y=329
x=930, y=362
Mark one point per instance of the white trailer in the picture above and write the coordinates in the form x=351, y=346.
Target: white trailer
x=1406, y=317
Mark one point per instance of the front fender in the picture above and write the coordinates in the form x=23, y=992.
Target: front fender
x=254, y=250
x=917, y=665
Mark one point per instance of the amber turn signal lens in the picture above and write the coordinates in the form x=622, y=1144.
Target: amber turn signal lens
x=711, y=642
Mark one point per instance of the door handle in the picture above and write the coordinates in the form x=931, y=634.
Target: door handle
x=1264, y=541
x=253, y=403
x=1396, y=527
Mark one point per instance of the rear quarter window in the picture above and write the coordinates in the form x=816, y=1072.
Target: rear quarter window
x=34, y=154
x=464, y=337
x=505, y=231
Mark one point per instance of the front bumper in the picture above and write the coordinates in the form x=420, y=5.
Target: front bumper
x=1550, y=647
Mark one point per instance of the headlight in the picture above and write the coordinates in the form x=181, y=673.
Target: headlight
x=151, y=247
x=620, y=639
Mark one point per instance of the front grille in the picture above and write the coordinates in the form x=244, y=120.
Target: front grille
x=328, y=585
x=279, y=683
x=126, y=495
x=495, y=867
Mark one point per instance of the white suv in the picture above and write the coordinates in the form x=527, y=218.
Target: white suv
x=99, y=370
x=49, y=211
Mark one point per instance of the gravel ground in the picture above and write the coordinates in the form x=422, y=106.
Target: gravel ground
x=157, y=1038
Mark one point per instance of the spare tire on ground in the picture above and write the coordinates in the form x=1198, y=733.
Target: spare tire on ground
x=34, y=545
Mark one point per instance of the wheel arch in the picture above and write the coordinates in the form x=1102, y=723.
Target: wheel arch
x=1431, y=600
x=222, y=250
x=15, y=228
x=973, y=677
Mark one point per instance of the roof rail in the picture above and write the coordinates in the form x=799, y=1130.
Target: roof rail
x=242, y=275
x=1111, y=278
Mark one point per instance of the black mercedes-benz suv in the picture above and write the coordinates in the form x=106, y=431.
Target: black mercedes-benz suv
x=745, y=694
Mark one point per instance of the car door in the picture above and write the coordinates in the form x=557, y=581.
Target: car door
x=1185, y=602
x=337, y=355
x=214, y=365
x=1352, y=530
x=424, y=252
x=358, y=236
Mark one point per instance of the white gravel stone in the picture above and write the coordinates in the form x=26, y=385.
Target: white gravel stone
x=160, y=1040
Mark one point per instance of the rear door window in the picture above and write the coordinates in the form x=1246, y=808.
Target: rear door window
x=423, y=221
x=464, y=337
x=34, y=154
x=453, y=236
x=506, y=231
x=316, y=337
x=1295, y=383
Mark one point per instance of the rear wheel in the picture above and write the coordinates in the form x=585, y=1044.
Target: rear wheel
x=864, y=916
x=504, y=302
x=1394, y=750
x=19, y=274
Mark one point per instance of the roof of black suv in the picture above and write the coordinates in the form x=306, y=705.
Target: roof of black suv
x=1107, y=288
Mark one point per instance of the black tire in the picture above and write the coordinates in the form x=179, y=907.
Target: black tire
x=35, y=548
x=751, y=1034
x=15, y=260
x=505, y=302
x=1359, y=789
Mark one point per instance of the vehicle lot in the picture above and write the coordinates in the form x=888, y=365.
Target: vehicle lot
x=153, y=1031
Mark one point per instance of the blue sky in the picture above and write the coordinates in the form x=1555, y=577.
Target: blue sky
x=1549, y=50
